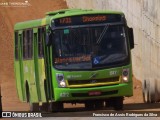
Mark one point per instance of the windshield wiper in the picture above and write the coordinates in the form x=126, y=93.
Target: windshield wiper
x=113, y=58
x=102, y=34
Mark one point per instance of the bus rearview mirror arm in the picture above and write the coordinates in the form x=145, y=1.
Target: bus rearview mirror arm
x=49, y=37
x=131, y=37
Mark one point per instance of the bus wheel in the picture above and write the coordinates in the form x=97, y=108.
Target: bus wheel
x=56, y=106
x=44, y=107
x=34, y=107
x=99, y=104
x=145, y=86
x=118, y=103
x=109, y=102
x=89, y=105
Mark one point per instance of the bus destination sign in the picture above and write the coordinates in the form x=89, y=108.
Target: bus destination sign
x=87, y=19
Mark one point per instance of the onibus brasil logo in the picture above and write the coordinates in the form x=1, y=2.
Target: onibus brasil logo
x=15, y=4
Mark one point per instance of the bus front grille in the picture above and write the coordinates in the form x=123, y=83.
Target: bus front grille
x=93, y=82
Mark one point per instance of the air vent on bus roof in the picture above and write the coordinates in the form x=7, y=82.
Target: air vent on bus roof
x=56, y=12
x=62, y=11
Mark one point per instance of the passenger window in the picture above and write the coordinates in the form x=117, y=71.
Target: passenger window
x=41, y=36
x=30, y=43
x=27, y=44
x=16, y=46
x=25, y=53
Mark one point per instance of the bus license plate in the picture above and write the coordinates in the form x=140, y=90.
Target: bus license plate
x=94, y=93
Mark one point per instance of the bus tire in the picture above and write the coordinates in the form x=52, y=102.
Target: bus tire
x=89, y=105
x=99, y=104
x=109, y=102
x=56, y=106
x=145, y=85
x=44, y=107
x=118, y=103
x=34, y=107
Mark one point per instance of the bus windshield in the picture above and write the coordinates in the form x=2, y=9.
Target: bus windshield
x=89, y=47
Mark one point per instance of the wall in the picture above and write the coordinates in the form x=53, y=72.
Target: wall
x=144, y=17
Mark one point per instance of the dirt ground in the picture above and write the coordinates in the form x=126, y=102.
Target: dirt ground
x=9, y=15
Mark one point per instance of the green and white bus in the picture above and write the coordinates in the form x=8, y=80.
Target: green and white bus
x=74, y=56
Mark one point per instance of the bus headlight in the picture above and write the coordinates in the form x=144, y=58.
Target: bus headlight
x=60, y=80
x=125, y=75
x=125, y=79
x=62, y=84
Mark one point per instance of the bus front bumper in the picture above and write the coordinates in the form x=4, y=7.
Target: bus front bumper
x=91, y=93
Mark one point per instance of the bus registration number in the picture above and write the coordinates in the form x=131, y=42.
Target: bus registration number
x=94, y=93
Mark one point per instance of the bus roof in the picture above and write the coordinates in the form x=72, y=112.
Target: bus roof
x=59, y=14
x=80, y=11
x=28, y=24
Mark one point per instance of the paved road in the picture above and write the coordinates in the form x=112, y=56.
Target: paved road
x=96, y=118
x=152, y=110
x=138, y=110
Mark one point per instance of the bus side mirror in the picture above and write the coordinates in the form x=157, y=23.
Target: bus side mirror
x=131, y=37
x=48, y=38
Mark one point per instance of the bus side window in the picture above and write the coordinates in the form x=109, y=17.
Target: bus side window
x=25, y=48
x=30, y=43
x=16, y=46
x=41, y=36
